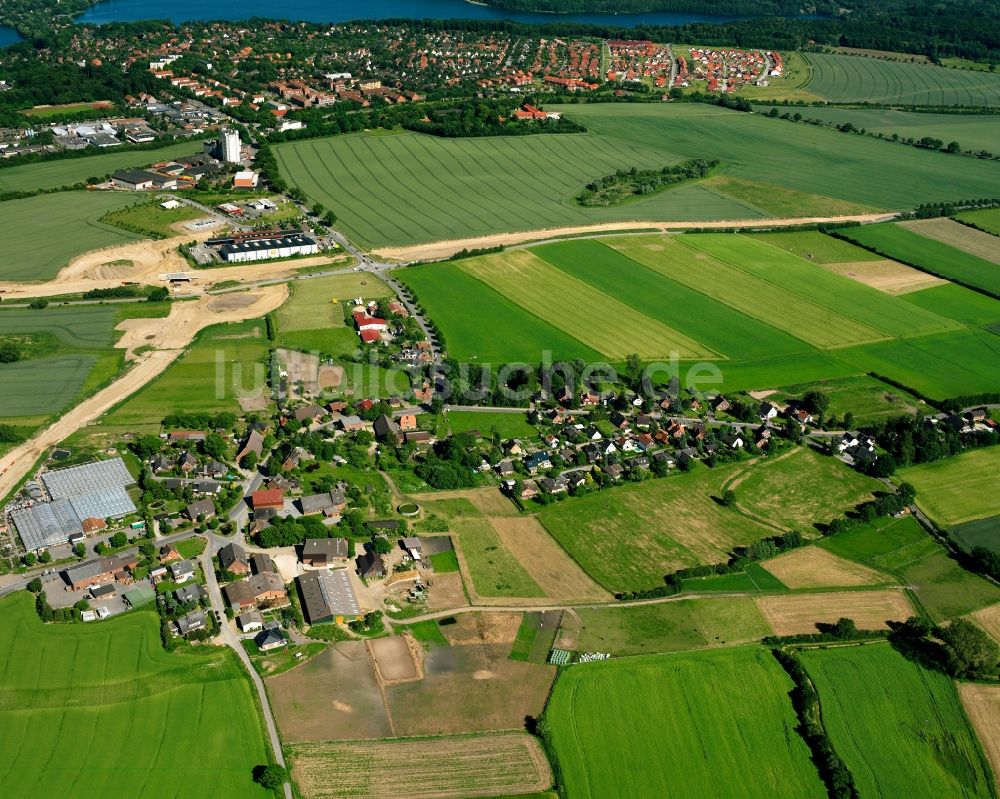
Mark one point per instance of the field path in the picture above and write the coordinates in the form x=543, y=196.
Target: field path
x=443, y=249
x=168, y=337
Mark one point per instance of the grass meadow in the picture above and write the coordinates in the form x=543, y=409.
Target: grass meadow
x=847, y=79
x=971, y=131
x=865, y=397
x=40, y=235
x=676, y=725
x=928, y=254
x=100, y=709
x=628, y=538
x=508, y=425
x=959, y=489
x=899, y=728
x=987, y=218
x=70, y=171
x=468, y=187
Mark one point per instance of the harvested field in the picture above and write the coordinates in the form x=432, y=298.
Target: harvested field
x=556, y=573
x=989, y=619
x=982, y=706
x=433, y=768
x=334, y=696
x=885, y=275
x=798, y=613
x=812, y=567
x=394, y=658
x=958, y=235
x=482, y=628
x=473, y=688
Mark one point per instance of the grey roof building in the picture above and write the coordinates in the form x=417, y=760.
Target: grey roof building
x=328, y=596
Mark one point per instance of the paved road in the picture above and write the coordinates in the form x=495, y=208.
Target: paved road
x=232, y=640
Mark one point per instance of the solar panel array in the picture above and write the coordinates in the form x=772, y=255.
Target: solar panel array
x=93, y=490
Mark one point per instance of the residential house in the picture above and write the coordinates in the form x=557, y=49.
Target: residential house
x=536, y=461
x=351, y=424
x=259, y=591
x=269, y=639
x=186, y=462
x=309, y=413
x=262, y=563
x=370, y=565
x=767, y=411
x=505, y=468
x=734, y=441
x=168, y=552
x=191, y=622
x=182, y=570
x=614, y=471
x=559, y=485
x=387, y=430
x=250, y=621
x=101, y=570
x=204, y=508
x=233, y=559
x=325, y=551
x=407, y=421
x=330, y=504
x=190, y=593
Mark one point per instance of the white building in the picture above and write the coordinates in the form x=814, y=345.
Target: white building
x=263, y=249
x=229, y=145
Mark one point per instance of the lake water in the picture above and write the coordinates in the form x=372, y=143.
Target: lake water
x=8, y=36
x=344, y=10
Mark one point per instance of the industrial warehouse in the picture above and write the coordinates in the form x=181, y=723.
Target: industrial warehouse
x=81, y=498
x=264, y=245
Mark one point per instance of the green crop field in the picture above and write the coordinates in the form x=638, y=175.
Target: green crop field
x=413, y=188
x=979, y=533
x=865, y=397
x=70, y=171
x=987, y=219
x=882, y=544
x=226, y=361
x=100, y=710
x=845, y=78
x=971, y=131
x=40, y=235
x=958, y=303
x=932, y=256
x=900, y=729
x=816, y=247
x=629, y=537
x=958, y=489
x=313, y=319
x=677, y=725
x=508, y=425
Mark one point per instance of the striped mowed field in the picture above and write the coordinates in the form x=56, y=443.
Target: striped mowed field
x=409, y=188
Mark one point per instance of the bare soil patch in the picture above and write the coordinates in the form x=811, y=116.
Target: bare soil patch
x=794, y=614
x=435, y=768
x=394, y=659
x=959, y=236
x=482, y=628
x=891, y=277
x=989, y=619
x=335, y=696
x=230, y=302
x=473, y=688
x=814, y=567
x=982, y=706
x=446, y=592
x=556, y=573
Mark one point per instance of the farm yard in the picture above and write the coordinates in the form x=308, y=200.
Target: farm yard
x=33, y=253
x=853, y=79
x=936, y=257
x=435, y=768
x=469, y=187
x=676, y=727
x=70, y=690
x=899, y=728
x=71, y=171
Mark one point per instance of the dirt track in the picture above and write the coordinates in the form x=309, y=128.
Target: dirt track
x=168, y=337
x=443, y=249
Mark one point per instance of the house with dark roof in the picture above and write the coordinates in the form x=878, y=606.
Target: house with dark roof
x=269, y=639
x=189, y=593
x=189, y=623
x=332, y=503
x=328, y=596
x=259, y=591
x=262, y=563
x=203, y=507
x=387, y=430
x=325, y=551
x=370, y=565
x=233, y=559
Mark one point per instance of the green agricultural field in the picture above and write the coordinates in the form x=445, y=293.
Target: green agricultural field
x=793, y=490
x=629, y=537
x=411, y=188
x=980, y=533
x=884, y=544
x=677, y=726
x=865, y=397
x=313, y=318
x=87, y=709
x=494, y=570
x=507, y=425
x=225, y=362
x=447, y=294
x=932, y=256
x=899, y=728
x=958, y=303
x=70, y=171
x=958, y=489
x=988, y=219
x=610, y=326
x=846, y=79
x=816, y=247
x=40, y=235
x=971, y=131
x=667, y=627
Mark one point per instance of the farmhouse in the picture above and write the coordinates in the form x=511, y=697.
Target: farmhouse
x=328, y=596
x=259, y=591
x=371, y=566
x=101, y=570
x=233, y=559
x=262, y=563
x=254, y=443
x=387, y=430
x=329, y=504
x=325, y=551
x=268, y=498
